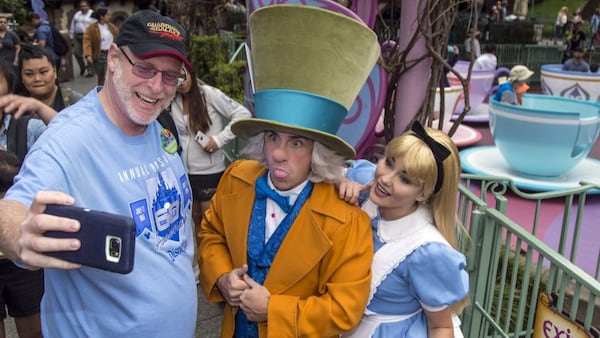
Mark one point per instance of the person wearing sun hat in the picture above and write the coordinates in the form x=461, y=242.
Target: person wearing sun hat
x=292, y=259
x=516, y=85
x=107, y=152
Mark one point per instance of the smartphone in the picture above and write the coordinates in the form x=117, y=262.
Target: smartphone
x=107, y=240
x=201, y=138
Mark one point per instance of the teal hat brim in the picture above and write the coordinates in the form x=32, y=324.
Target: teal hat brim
x=298, y=108
x=247, y=128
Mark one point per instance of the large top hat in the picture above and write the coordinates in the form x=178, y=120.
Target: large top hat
x=309, y=65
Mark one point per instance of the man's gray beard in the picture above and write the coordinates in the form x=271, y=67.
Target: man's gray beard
x=125, y=96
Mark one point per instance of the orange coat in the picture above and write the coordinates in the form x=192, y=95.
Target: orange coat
x=91, y=40
x=320, y=277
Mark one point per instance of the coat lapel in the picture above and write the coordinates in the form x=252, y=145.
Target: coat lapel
x=237, y=216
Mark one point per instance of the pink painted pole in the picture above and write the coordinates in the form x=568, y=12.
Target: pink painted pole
x=412, y=85
x=366, y=10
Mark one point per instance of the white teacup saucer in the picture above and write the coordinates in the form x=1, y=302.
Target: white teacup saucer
x=487, y=160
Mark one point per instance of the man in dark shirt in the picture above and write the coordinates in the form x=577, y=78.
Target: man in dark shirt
x=577, y=39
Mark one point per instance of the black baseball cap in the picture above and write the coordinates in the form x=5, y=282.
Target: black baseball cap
x=148, y=34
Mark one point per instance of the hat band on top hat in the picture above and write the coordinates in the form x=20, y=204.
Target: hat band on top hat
x=299, y=109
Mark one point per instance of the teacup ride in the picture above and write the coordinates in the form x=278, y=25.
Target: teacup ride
x=481, y=85
x=576, y=85
x=464, y=135
x=542, y=145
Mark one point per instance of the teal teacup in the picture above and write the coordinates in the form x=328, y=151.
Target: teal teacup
x=547, y=136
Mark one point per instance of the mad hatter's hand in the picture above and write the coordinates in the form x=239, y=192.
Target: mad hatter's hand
x=232, y=285
x=255, y=301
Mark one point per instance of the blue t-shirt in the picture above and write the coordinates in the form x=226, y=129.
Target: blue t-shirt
x=573, y=66
x=44, y=32
x=83, y=154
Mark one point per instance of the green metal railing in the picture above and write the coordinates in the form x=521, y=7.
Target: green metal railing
x=536, y=55
x=509, y=266
x=533, y=56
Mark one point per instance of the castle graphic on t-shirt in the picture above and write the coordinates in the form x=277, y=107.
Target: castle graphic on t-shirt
x=161, y=217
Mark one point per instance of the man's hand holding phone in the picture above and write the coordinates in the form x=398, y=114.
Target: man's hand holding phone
x=34, y=246
x=107, y=239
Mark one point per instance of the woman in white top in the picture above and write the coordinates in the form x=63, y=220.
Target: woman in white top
x=561, y=21
x=200, y=113
x=201, y=110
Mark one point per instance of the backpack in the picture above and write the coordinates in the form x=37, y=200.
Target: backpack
x=16, y=136
x=61, y=46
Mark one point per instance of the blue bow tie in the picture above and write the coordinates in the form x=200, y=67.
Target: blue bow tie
x=263, y=191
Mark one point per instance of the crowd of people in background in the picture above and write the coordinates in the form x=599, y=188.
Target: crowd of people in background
x=578, y=35
x=577, y=40
x=79, y=23
x=36, y=30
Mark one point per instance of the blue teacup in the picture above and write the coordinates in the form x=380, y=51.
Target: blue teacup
x=547, y=136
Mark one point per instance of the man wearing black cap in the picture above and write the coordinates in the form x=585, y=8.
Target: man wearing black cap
x=107, y=152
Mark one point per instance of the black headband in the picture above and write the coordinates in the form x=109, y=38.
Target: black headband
x=440, y=153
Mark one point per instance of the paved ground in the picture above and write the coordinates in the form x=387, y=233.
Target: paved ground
x=209, y=315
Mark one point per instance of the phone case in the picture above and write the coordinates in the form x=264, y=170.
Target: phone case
x=107, y=240
x=201, y=138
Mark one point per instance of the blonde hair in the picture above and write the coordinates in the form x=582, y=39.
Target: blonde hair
x=421, y=167
x=326, y=165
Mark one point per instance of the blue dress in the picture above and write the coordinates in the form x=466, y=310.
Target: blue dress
x=414, y=268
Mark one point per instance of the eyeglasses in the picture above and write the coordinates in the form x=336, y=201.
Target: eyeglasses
x=148, y=71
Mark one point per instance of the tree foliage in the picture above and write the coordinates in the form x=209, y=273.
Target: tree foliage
x=15, y=7
x=209, y=56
